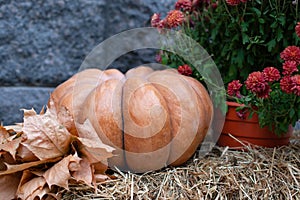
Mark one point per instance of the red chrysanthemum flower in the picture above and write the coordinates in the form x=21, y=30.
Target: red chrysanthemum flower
x=289, y=67
x=233, y=88
x=184, y=5
x=161, y=24
x=214, y=5
x=185, y=70
x=155, y=19
x=295, y=84
x=258, y=85
x=271, y=74
x=174, y=18
x=265, y=93
x=201, y=3
x=233, y=2
x=286, y=84
x=297, y=29
x=291, y=53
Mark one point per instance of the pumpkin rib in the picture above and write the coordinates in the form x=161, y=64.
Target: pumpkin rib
x=147, y=141
x=203, y=94
x=186, y=94
x=199, y=137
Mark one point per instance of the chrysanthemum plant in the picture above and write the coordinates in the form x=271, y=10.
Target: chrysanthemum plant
x=272, y=94
x=242, y=36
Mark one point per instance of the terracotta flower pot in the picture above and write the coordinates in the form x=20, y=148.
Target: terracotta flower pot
x=248, y=131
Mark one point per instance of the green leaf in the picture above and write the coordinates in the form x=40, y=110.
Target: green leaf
x=245, y=38
x=279, y=35
x=164, y=60
x=250, y=115
x=258, y=12
x=282, y=20
x=274, y=24
x=271, y=45
x=244, y=26
x=292, y=113
x=261, y=20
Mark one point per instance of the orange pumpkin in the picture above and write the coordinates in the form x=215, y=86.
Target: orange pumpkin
x=152, y=118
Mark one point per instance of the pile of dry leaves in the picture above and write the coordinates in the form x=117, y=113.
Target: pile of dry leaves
x=39, y=157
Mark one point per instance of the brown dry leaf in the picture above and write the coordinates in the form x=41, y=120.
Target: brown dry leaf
x=14, y=129
x=84, y=173
x=20, y=167
x=25, y=155
x=101, y=177
x=63, y=114
x=91, y=145
x=59, y=174
x=46, y=138
x=94, y=151
x=9, y=185
x=35, y=187
x=3, y=134
x=11, y=146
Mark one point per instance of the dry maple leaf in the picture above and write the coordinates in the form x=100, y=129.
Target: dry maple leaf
x=3, y=134
x=11, y=146
x=91, y=145
x=25, y=155
x=59, y=174
x=9, y=185
x=36, y=187
x=45, y=136
x=20, y=167
x=84, y=173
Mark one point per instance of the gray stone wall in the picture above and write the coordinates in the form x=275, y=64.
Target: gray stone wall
x=42, y=43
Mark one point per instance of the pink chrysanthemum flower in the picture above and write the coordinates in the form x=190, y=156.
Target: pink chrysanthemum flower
x=258, y=85
x=184, y=5
x=174, y=18
x=291, y=53
x=297, y=29
x=286, y=84
x=233, y=88
x=185, y=70
x=271, y=74
x=295, y=84
x=155, y=19
x=289, y=67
